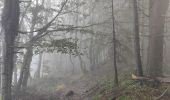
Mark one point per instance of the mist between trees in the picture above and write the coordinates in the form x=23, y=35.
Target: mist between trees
x=84, y=50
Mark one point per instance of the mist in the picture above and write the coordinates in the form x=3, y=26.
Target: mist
x=84, y=50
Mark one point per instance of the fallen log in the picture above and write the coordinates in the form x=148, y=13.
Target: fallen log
x=147, y=78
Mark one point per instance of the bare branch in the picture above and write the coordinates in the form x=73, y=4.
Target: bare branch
x=45, y=27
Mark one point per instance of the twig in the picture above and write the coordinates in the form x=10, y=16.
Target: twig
x=157, y=98
x=45, y=27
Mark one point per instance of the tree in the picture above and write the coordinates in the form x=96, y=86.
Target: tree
x=114, y=47
x=137, y=40
x=33, y=39
x=158, y=9
x=10, y=23
x=24, y=73
x=40, y=43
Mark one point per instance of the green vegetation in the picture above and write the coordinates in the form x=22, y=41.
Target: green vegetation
x=131, y=90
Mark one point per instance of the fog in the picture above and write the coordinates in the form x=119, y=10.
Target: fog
x=84, y=50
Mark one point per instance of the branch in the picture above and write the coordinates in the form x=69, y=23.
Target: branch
x=143, y=12
x=157, y=98
x=45, y=27
x=22, y=1
x=63, y=29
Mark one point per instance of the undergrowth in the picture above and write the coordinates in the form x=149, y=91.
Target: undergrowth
x=130, y=90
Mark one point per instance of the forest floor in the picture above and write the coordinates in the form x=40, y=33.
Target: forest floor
x=95, y=86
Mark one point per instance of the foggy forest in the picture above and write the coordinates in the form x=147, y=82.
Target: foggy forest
x=84, y=50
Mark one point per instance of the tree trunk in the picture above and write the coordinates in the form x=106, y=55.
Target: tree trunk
x=25, y=70
x=137, y=40
x=158, y=9
x=10, y=21
x=38, y=72
x=114, y=48
x=1, y=60
x=73, y=66
x=91, y=55
x=82, y=65
x=15, y=74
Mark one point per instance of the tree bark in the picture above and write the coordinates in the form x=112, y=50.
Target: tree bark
x=25, y=70
x=27, y=65
x=158, y=9
x=10, y=23
x=114, y=48
x=137, y=40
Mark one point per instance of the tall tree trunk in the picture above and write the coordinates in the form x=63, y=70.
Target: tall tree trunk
x=10, y=21
x=137, y=40
x=92, y=46
x=27, y=65
x=114, y=48
x=158, y=9
x=82, y=65
x=25, y=70
x=91, y=55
